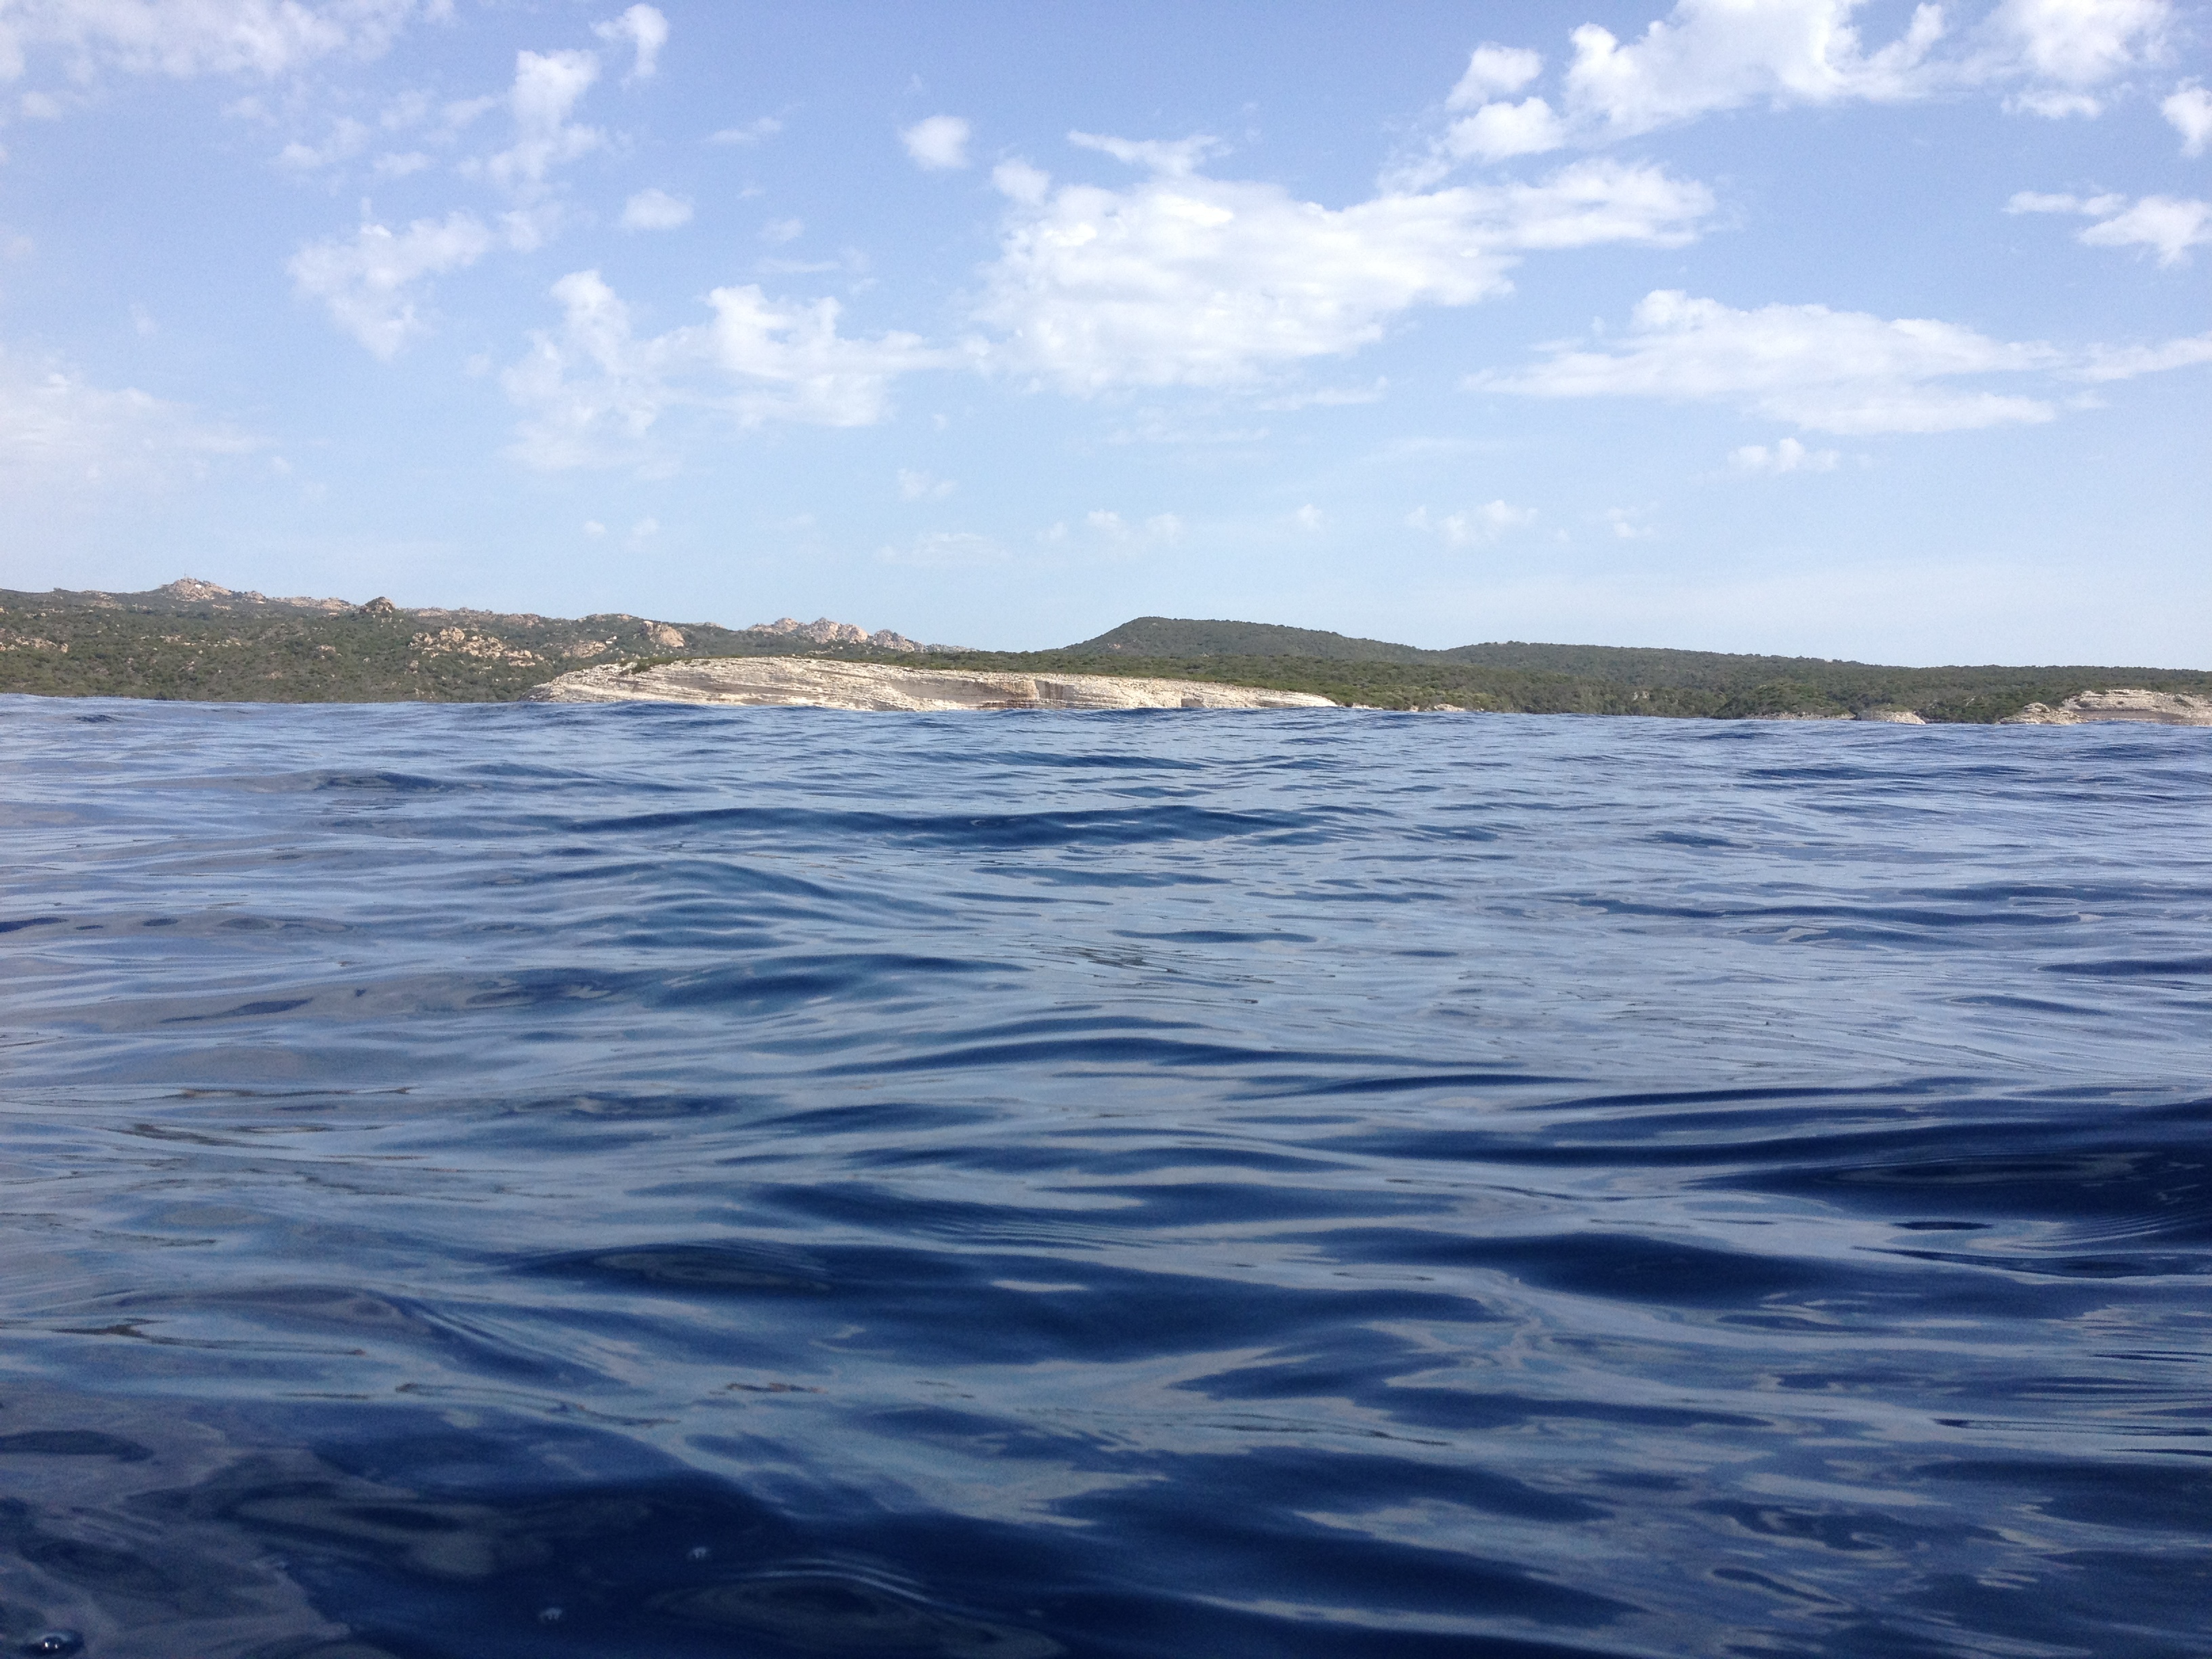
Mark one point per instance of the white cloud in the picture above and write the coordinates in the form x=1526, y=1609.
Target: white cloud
x=1182, y=279
x=1496, y=132
x=922, y=486
x=370, y=281
x=1707, y=55
x=1161, y=530
x=547, y=86
x=200, y=37
x=347, y=138
x=2189, y=110
x=2125, y=362
x=1787, y=456
x=1627, y=525
x=57, y=429
x=1493, y=70
x=2167, y=224
x=776, y=232
x=752, y=132
x=1831, y=371
x=646, y=31
x=938, y=142
x=2076, y=44
x=1176, y=157
x=591, y=391
x=1309, y=518
x=1021, y=182
x=1476, y=527
x=1721, y=54
x=946, y=550
x=655, y=210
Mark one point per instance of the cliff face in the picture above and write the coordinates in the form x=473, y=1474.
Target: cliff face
x=800, y=682
x=2155, y=708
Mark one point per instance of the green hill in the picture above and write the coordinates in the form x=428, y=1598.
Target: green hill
x=1541, y=679
x=195, y=639
x=1175, y=637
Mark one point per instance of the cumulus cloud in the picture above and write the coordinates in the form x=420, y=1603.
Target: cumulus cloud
x=1787, y=456
x=203, y=37
x=937, y=143
x=655, y=210
x=1829, y=371
x=2067, y=46
x=591, y=391
x=914, y=486
x=647, y=32
x=547, y=87
x=1496, y=132
x=2190, y=111
x=1709, y=56
x=1476, y=527
x=371, y=282
x=1493, y=70
x=1183, y=279
x=2168, y=225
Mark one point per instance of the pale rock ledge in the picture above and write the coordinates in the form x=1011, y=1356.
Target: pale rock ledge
x=2155, y=708
x=812, y=683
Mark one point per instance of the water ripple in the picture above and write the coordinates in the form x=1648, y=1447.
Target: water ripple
x=502, y=1180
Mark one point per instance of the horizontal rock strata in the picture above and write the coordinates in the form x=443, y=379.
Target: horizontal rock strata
x=2154, y=707
x=807, y=682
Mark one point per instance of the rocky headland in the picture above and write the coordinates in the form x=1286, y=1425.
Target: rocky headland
x=814, y=683
x=2122, y=704
x=198, y=640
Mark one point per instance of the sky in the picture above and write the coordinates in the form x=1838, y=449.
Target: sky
x=1843, y=328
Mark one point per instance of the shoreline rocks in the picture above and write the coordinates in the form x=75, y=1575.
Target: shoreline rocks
x=815, y=682
x=2121, y=703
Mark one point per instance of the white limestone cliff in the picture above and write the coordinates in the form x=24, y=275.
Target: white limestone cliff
x=2122, y=704
x=807, y=682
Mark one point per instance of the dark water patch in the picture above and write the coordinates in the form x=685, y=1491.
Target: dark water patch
x=687, y=1182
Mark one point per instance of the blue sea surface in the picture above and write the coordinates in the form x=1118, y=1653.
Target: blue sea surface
x=489, y=1181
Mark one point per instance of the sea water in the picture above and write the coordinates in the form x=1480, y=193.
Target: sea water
x=673, y=1181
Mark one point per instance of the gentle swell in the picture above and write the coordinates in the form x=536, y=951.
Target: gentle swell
x=515, y=1180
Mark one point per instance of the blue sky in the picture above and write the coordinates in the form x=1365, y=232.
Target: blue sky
x=1862, y=330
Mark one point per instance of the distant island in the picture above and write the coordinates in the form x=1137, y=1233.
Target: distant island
x=195, y=640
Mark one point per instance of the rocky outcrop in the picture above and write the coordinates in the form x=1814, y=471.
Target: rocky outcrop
x=2123, y=703
x=462, y=642
x=815, y=682
x=1891, y=716
x=822, y=631
x=193, y=591
x=192, y=588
